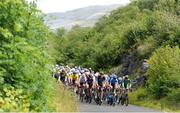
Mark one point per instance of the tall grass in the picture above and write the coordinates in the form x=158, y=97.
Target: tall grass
x=141, y=97
x=63, y=99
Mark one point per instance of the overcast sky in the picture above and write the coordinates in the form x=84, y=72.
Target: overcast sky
x=48, y=6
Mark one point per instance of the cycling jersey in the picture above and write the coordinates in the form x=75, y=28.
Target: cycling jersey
x=109, y=79
x=113, y=81
x=56, y=75
x=90, y=80
x=82, y=79
x=120, y=81
x=127, y=83
x=63, y=76
x=74, y=76
x=100, y=81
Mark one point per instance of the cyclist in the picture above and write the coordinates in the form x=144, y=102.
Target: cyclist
x=120, y=81
x=113, y=82
x=90, y=80
x=82, y=80
x=74, y=78
x=119, y=90
x=126, y=82
x=126, y=87
x=100, y=81
x=63, y=76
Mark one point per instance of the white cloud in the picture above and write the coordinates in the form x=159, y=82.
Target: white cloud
x=48, y=6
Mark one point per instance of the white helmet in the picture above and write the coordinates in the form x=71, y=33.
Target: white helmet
x=87, y=73
x=96, y=74
x=82, y=71
x=120, y=78
x=72, y=70
x=127, y=76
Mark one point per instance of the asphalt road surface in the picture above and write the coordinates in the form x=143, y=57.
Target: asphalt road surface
x=85, y=107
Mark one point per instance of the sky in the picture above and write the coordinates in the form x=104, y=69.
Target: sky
x=49, y=6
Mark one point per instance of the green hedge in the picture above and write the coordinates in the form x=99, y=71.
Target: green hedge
x=164, y=72
x=25, y=77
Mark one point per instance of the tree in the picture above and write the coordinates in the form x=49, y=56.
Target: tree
x=24, y=58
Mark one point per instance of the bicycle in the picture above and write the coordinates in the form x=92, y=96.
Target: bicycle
x=125, y=99
x=81, y=93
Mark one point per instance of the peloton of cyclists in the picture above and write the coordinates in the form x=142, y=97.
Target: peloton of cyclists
x=103, y=85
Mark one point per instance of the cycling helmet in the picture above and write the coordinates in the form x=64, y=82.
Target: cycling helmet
x=82, y=71
x=120, y=78
x=111, y=76
x=91, y=75
x=127, y=76
x=145, y=60
x=87, y=73
x=74, y=72
x=86, y=70
x=96, y=74
x=83, y=76
x=114, y=76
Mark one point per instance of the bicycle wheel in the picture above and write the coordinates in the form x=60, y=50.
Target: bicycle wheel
x=127, y=102
x=122, y=102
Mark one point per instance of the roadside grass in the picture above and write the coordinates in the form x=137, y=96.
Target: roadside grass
x=63, y=99
x=141, y=98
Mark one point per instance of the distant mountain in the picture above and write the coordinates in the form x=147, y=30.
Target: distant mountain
x=85, y=17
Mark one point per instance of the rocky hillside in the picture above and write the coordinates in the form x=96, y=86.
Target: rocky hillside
x=142, y=40
x=84, y=17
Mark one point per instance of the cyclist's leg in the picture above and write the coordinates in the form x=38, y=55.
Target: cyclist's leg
x=101, y=94
x=80, y=88
x=90, y=90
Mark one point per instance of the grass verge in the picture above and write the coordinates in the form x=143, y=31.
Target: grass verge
x=63, y=99
x=141, y=98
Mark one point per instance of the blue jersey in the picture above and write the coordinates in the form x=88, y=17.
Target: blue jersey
x=120, y=81
x=109, y=80
x=113, y=81
x=100, y=81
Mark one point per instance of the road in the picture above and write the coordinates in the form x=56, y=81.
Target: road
x=84, y=107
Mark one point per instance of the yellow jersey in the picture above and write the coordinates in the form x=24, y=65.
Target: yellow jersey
x=74, y=77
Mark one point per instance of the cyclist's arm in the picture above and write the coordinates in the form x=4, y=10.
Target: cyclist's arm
x=129, y=83
x=122, y=85
x=71, y=77
x=59, y=77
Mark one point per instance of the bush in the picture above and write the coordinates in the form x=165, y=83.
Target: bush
x=139, y=95
x=173, y=98
x=141, y=26
x=14, y=100
x=24, y=58
x=164, y=73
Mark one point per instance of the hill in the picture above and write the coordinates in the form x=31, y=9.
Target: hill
x=84, y=17
x=144, y=32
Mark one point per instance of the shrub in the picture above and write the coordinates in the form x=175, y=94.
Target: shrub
x=139, y=95
x=14, y=100
x=164, y=73
x=24, y=59
x=173, y=98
